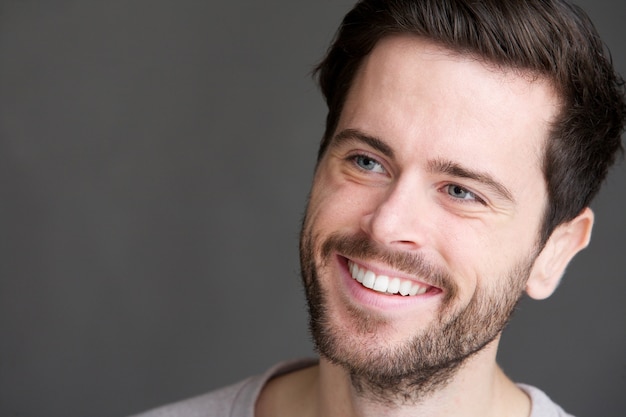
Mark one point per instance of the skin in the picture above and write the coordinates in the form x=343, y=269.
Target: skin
x=430, y=108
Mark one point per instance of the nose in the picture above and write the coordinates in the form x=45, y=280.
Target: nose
x=400, y=218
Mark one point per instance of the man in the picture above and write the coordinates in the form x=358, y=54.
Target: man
x=463, y=145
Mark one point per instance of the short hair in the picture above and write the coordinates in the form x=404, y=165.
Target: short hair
x=550, y=38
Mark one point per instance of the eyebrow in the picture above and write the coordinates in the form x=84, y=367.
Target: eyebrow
x=440, y=166
x=372, y=141
x=456, y=170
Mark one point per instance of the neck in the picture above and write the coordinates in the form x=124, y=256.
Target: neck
x=477, y=388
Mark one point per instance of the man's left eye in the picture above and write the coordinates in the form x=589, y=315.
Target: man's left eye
x=461, y=193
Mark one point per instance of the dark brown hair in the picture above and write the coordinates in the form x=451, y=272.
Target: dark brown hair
x=550, y=38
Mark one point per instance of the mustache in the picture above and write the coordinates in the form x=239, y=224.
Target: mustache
x=415, y=264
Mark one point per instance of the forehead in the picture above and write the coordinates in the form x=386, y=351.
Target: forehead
x=410, y=88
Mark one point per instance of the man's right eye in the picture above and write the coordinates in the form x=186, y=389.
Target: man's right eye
x=368, y=164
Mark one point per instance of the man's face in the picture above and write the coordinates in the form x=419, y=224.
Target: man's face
x=432, y=187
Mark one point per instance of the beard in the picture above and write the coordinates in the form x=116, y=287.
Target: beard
x=405, y=372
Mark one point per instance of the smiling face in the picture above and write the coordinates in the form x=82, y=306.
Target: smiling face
x=424, y=216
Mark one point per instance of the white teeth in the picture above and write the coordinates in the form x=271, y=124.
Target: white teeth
x=360, y=274
x=384, y=283
x=394, y=286
x=405, y=287
x=381, y=284
x=369, y=279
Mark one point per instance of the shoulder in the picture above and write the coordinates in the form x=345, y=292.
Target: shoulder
x=542, y=405
x=216, y=403
x=235, y=400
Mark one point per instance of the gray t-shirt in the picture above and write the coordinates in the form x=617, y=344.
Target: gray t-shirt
x=238, y=400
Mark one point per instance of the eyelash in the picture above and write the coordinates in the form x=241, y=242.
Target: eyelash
x=355, y=161
x=476, y=199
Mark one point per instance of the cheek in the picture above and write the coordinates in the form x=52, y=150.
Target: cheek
x=480, y=254
x=474, y=251
x=338, y=204
x=460, y=245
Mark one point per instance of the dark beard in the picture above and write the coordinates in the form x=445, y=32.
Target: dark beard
x=426, y=362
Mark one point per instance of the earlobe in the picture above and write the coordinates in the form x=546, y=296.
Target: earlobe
x=566, y=241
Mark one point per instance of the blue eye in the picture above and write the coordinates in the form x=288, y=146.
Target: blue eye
x=368, y=164
x=461, y=193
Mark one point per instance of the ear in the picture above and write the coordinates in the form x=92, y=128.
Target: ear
x=565, y=242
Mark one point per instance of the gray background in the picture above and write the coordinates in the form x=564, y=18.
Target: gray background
x=155, y=158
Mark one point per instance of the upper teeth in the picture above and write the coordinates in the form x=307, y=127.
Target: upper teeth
x=385, y=284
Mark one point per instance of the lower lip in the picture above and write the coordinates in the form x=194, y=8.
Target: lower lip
x=378, y=300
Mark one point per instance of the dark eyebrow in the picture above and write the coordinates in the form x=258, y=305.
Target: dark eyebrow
x=372, y=141
x=456, y=170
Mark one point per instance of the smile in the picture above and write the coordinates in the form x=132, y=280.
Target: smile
x=385, y=284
